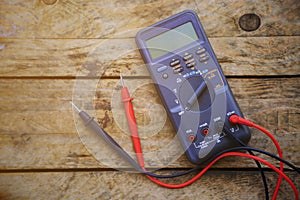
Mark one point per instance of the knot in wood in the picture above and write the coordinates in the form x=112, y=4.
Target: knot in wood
x=249, y=22
x=49, y=2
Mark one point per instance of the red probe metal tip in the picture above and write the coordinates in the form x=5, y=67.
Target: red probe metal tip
x=122, y=82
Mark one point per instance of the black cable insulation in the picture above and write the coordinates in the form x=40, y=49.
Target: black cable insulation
x=116, y=147
x=263, y=177
x=112, y=143
x=234, y=149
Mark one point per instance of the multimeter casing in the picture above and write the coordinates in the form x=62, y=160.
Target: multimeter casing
x=193, y=89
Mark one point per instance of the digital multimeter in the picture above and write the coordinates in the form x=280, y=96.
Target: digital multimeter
x=191, y=85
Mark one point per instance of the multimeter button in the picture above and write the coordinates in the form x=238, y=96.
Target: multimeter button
x=200, y=51
x=178, y=70
x=165, y=76
x=177, y=66
x=175, y=62
x=187, y=57
x=190, y=65
x=176, y=109
x=161, y=69
x=203, y=59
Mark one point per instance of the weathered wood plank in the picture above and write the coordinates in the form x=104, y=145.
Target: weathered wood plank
x=46, y=44
x=251, y=56
x=94, y=19
x=37, y=126
x=118, y=185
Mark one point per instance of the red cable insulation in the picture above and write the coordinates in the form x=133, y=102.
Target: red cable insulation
x=239, y=120
x=234, y=119
x=174, y=186
x=127, y=101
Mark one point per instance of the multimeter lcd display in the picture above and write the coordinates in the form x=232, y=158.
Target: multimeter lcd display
x=171, y=40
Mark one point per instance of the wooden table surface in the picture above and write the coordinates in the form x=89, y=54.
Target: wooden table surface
x=52, y=51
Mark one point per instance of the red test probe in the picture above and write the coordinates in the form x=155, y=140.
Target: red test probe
x=127, y=101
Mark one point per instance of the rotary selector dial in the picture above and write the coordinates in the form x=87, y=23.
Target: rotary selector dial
x=196, y=94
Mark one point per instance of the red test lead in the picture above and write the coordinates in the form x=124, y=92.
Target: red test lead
x=235, y=119
x=91, y=123
x=127, y=101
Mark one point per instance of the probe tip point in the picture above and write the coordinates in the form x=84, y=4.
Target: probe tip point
x=122, y=82
x=74, y=106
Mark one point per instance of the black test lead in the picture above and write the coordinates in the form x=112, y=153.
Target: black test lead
x=92, y=124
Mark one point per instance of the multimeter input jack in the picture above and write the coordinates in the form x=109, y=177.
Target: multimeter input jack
x=205, y=131
x=192, y=138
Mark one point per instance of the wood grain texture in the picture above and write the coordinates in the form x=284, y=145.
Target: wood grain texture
x=36, y=117
x=47, y=45
x=94, y=19
x=251, y=56
x=239, y=185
